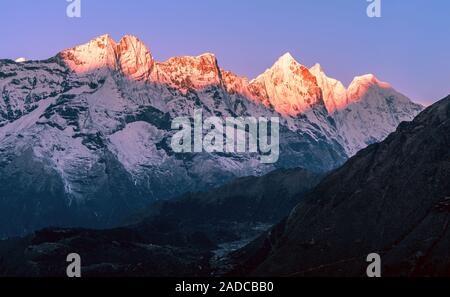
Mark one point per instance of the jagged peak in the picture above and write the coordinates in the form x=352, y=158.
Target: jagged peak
x=318, y=71
x=286, y=57
x=286, y=65
x=203, y=57
x=133, y=41
x=362, y=85
x=129, y=37
x=20, y=60
x=317, y=68
x=209, y=55
x=190, y=72
x=96, y=54
x=334, y=92
x=130, y=56
x=204, y=63
x=286, y=61
x=101, y=42
x=368, y=80
x=104, y=40
x=135, y=59
x=211, y=58
x=289, y=86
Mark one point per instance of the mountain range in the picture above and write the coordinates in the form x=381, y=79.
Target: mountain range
x=85, y=135
x=392, y=198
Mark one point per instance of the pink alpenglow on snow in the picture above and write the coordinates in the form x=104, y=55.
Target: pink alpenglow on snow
x=287, y=87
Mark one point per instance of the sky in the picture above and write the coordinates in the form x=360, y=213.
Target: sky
x=408, y=46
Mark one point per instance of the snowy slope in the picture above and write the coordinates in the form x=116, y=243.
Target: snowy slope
x=85, y=136
x=367, y=111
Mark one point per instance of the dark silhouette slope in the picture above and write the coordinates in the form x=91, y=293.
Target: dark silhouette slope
x=392, y=198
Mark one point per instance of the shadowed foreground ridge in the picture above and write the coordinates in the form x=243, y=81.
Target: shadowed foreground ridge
x=181, y=237
x=392, y=198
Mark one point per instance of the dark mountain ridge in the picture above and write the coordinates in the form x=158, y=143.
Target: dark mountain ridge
x=392, y=198
x=180, y=237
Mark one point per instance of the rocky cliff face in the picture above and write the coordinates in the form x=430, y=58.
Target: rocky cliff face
x=85, y=136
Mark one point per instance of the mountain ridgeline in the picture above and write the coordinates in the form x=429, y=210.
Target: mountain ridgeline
x=85, y=135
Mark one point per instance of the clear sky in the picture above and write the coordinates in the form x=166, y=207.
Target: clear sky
x=409, y=46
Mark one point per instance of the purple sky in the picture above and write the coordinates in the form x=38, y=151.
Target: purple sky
x=409, y=46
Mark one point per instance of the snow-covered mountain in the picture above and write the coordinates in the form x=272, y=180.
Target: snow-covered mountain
x=85, y=136
x=366, y=112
